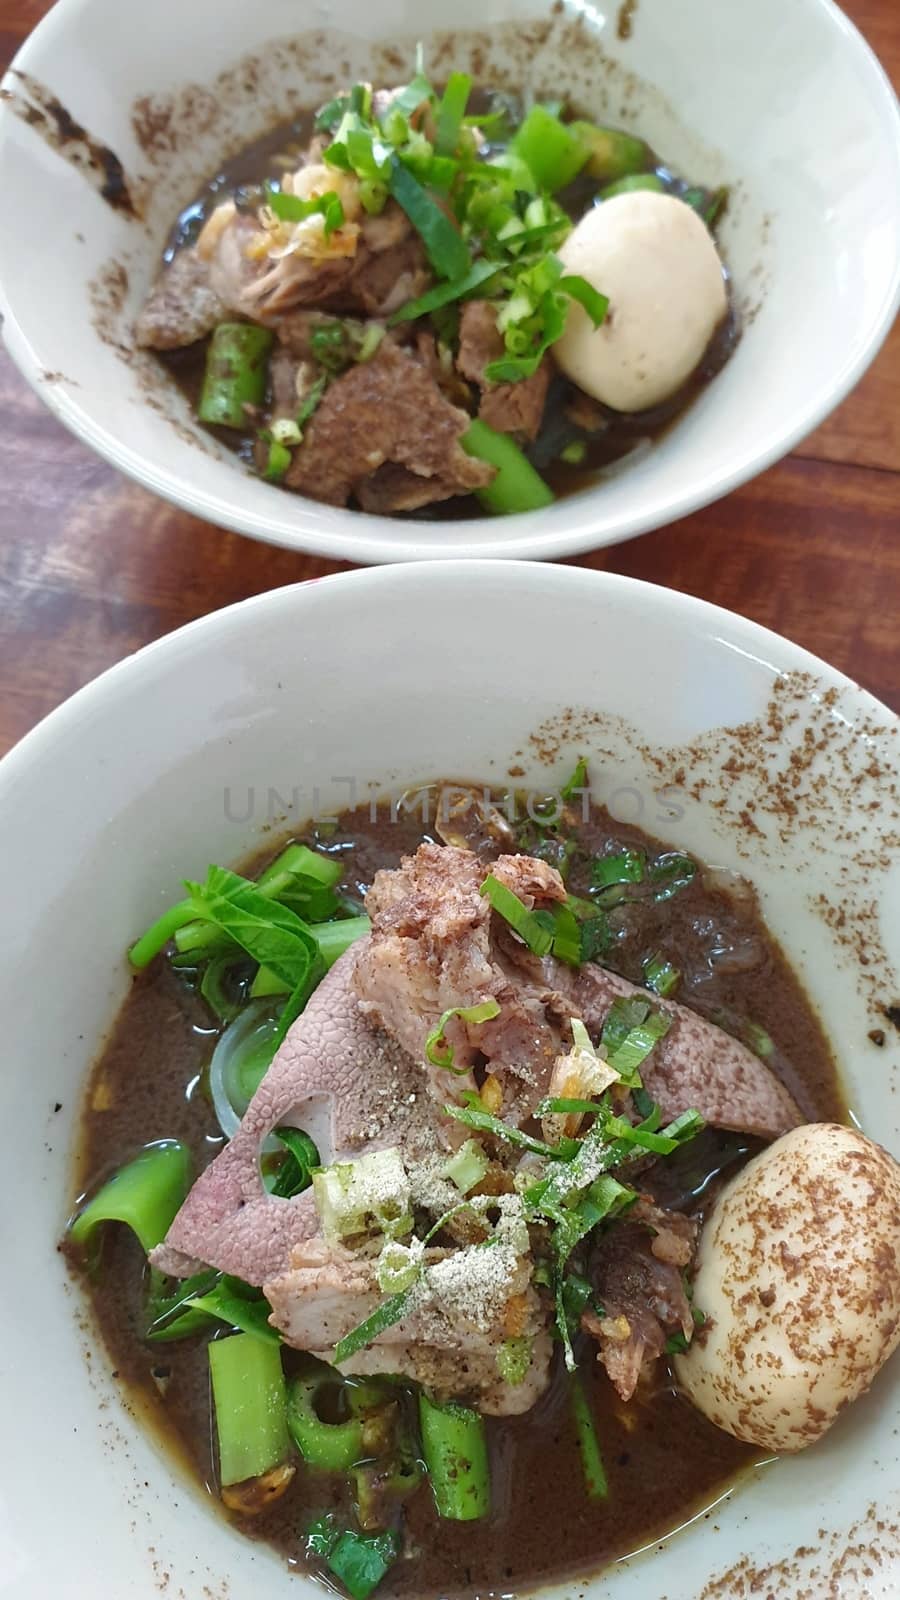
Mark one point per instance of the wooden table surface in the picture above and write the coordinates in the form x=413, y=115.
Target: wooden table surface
x=92, y=567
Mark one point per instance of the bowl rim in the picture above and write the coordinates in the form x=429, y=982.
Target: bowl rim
x=303, y=526
x=118, y=681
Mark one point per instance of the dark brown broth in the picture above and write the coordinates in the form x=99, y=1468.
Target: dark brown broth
x=266, y=158
x=664, y=1461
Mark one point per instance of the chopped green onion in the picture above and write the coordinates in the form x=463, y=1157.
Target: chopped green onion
x=466, y=1167
x=331, y=114
x=438, y=1050
x=671, y=871
x=574, y=453
x=286, y=431
x=326, y=1446
x=312, y=400
x=524, y=922
x=250, y=1405
x=413, y=94
x=588, y=1444
x=445, y=246
x=635, y=1048
x=628, y=866
x=451, y=111
x=660, y=975
x=709, y=204
x=444, y=293
x=577, y=288
x=567, y=941
x=145, y=1194
x=390, y=1311
x=484, y=1122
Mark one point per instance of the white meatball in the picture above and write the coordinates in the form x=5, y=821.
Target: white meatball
x=654, y=259
x=798, y=1271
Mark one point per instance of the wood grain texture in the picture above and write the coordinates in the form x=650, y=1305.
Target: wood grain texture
x=92, y=567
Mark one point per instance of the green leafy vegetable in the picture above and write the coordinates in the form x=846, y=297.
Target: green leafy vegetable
x=295, y=1173
x=626, y=866
x=626, y=1051
x=438, y=1050
x=484, y=1122
x=278, y=457
x=577, y=288
x=230, y=1301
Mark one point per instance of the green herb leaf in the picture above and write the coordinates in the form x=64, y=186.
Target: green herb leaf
x=312, y=400
x=444, y=293
x=295, y=1173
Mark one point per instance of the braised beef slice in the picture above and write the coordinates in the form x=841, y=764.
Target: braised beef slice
x=387, y=410
x=509, y=407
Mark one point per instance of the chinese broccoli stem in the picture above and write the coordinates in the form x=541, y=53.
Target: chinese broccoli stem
x=454, y=1446
x=251, y=1406
x=236, y=371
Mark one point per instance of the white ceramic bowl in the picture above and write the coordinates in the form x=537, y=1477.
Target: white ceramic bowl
x=785, y=102
x=182, y=755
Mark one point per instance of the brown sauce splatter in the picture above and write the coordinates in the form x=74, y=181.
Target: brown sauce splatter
x=43, y=111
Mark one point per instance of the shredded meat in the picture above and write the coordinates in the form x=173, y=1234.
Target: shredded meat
x=387, y=410
x=509, y=407
x=182, y=306
x=390, y=267
x=636, y=1270
x=436, y=945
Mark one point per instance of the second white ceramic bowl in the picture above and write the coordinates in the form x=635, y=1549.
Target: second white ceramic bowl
x=707, y=730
